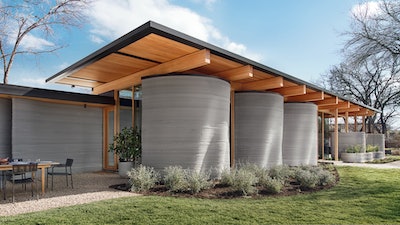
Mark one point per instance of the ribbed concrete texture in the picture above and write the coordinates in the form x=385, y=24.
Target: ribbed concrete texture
x=5, y=128
x=376, y=139
x=186, y=122
x=258, y=128
x=50, y=131
x=300, y=134
x=349, y=139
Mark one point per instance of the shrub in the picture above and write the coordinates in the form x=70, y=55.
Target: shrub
x=372, y=148
x=244, y=181
x=354, y=149
x=197, y=181
x=306, y=178
x=272, y=185
x=281, y=173
x=227, y=176
x=174, y=179
x=325, y=178
x=142, y=178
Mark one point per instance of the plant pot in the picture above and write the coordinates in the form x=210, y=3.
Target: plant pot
x=124, y=167
x=379, y=155
x=356, y=157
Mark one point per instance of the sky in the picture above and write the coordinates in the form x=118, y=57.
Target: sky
x=302, y=38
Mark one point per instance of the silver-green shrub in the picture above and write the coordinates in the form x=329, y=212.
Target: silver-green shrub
x=245, y=181
x=326, y=178
x=227, y=176
x=197, y=181
x=271, y=185
x=281, y=173
x=175, y=179
x=306, y=178
x=142, y=178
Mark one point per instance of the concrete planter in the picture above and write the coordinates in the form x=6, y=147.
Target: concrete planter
x=378, y=155
x=356, y=157
x=124, y=167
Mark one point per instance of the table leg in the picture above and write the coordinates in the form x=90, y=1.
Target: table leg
x=43, y=177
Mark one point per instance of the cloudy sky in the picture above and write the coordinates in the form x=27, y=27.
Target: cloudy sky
x=298, y=37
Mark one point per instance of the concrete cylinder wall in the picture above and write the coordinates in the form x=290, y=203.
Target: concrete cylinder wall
x=376, y=139
x=258, y=128
x=5, y=127
x=186, y=122
x=350, y=139
x=300, y=134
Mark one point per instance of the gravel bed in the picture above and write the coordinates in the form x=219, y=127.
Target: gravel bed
x=88, y=187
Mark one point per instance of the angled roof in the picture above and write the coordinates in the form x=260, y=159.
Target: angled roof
x=153, y=49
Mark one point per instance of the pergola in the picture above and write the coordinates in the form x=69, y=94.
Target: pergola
x=153, y=49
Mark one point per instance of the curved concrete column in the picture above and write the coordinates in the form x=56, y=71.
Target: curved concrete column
x=186, y=122
x=258, y=128
x=300, y=134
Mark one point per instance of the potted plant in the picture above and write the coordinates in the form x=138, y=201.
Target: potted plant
x=128, y=146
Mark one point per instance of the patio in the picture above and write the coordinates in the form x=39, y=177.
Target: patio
x=88, y=187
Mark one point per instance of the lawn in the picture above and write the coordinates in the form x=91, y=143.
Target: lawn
x=362, y=196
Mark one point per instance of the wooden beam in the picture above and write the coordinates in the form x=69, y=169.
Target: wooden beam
x=351, y=109
x=346, y=125
x=322, y=135
x=232, y=129
x=336, y=135
x=262, y=85
x=340, y=105
x=236, y=86
x=309, y=97
x=328, y=101
x=133, y=106
x=291, y=91
x=116, y=119
x=238, y=73
x=184, y=63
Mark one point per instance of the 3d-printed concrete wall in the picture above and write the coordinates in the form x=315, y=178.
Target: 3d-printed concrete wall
x=5, y=128
x=186, y=122
x=258, y=128
x=350, y=139
x=300, y=134
x=376, y=139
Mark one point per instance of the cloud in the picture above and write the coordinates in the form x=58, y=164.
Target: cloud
x=111, y=19
x=367, y=9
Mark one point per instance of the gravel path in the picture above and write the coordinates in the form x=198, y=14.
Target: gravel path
x=88, y=187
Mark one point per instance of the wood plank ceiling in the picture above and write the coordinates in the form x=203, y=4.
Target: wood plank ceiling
x=122, y=64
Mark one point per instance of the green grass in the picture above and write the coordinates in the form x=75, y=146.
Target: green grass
x=363, y=196
x=387, y=159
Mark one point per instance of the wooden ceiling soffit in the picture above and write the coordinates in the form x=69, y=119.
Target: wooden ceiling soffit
x=309, y=97
x=79, y=82
x=291, y=91
x=352, y=108
x=262, y=85
x=236, y=86
x=340, y=105
x=328, y=101
x=184, y=63
x=235, y=74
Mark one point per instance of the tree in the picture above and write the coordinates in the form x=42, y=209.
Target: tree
x=370, y=70
x=375, y=31
x=374, y=83
x=28, y=27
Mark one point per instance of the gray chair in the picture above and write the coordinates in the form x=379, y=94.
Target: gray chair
x=19, y=169
x=64, y=169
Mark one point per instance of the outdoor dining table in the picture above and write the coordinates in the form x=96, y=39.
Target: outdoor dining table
x=42, y=165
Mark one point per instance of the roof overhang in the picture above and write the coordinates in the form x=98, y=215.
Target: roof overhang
x=153, y=49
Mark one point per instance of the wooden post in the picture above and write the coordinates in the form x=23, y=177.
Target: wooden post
x=336, y=133
x=363, y=124
x=232, y=128
x=322, y=135
x=133, y=106
x=355, y=123
x=347, y=122
x=116, y=118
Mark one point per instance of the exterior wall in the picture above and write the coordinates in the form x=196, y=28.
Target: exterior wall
x=49, y=131
x=350, y=139
x=5, y=128
x=258, y=128
x=300, y=134
x=376, y=139
x=185, y=121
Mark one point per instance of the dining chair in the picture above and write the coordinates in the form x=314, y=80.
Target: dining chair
x=24, y=169
x=64, y=169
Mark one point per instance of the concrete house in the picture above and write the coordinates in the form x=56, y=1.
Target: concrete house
x=198, y=106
